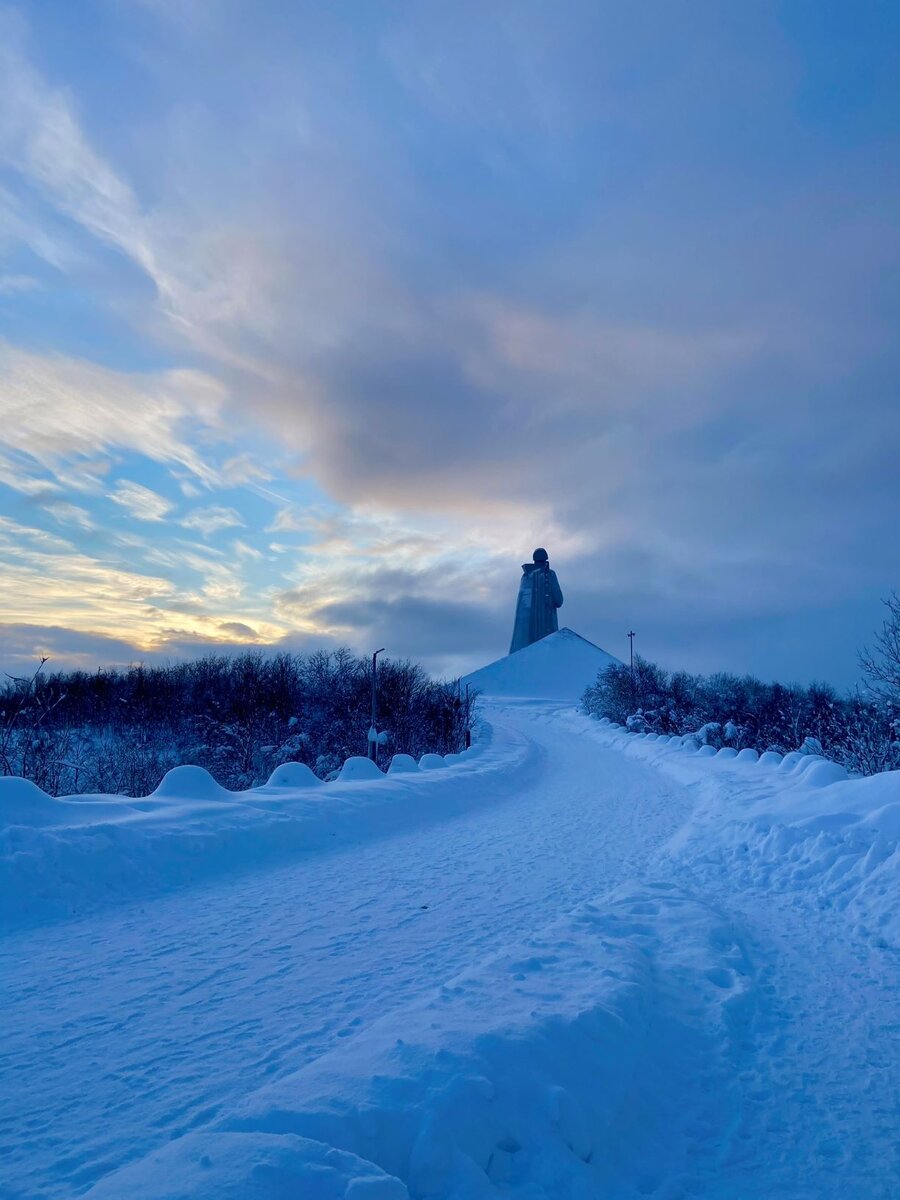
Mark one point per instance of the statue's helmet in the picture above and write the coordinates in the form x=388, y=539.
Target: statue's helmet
x=540, y=555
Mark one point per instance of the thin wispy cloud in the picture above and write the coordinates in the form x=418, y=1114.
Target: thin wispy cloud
x=141, y=502
x=68, y=513
x=58, y=409
x=212, y=519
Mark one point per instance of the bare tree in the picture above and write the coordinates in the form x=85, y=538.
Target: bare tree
x=25, y=711
x=881, y=664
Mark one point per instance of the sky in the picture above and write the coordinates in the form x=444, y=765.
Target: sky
x=315, y=319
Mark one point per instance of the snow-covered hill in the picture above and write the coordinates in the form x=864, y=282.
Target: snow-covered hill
x=558, y=667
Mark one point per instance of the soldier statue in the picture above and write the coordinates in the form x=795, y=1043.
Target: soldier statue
x=539, y=598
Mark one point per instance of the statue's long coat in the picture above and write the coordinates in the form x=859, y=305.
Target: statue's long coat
x=539, y=598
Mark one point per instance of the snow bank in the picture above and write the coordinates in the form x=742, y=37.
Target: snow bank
x=24, y=803
x=63, y=857
x=534, y=1075
x=797, y=823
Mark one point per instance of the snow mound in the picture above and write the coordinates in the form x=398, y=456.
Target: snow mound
x=191, y=783
x=823, y=773
x=403, y=764
x=558, y=667
x=431, y=762
x=790, y=761
x=293, y=775
x=358, y=767
x=24, y=803
x=886, y=821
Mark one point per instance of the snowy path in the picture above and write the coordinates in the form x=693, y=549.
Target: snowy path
x=819, y=1071
x=762, y=1026
x=125, y=1030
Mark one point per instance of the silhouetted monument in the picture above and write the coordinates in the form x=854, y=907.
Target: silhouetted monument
x=539, y=598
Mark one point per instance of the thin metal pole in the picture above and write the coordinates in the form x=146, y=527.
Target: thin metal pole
x=373, y=744
x=631, y=654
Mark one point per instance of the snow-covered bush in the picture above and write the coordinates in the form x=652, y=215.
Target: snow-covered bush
x=709, y=734
x=860, y=732
x=238, y=716
x=734, y=734
x=619, y=694
x=868, y=741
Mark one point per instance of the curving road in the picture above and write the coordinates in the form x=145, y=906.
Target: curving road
x=125, y=1030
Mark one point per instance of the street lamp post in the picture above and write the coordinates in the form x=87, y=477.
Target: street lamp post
x=631, y=655
x=373, y=730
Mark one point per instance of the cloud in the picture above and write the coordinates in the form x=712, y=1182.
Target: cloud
x=19, y=475
x=237, y=629
x=465, y=631
x=48, y=577
x=68, y=513
x=243, y=468
x=289, y=520
x=59, y=410
x=141, y=502
x=17, y=285
x=22, y=645
x=40, y=137
x=148, y=596
x=212, y=519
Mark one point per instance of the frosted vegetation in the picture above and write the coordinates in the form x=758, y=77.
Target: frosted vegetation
x=859, y=731
x=120, y=731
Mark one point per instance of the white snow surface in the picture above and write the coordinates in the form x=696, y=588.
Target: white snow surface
x=574, y=962
x=559, y=666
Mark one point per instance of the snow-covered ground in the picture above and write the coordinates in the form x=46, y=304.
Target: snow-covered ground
x=574, y=963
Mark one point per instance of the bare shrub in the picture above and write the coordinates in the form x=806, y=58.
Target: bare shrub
x=238, y=716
